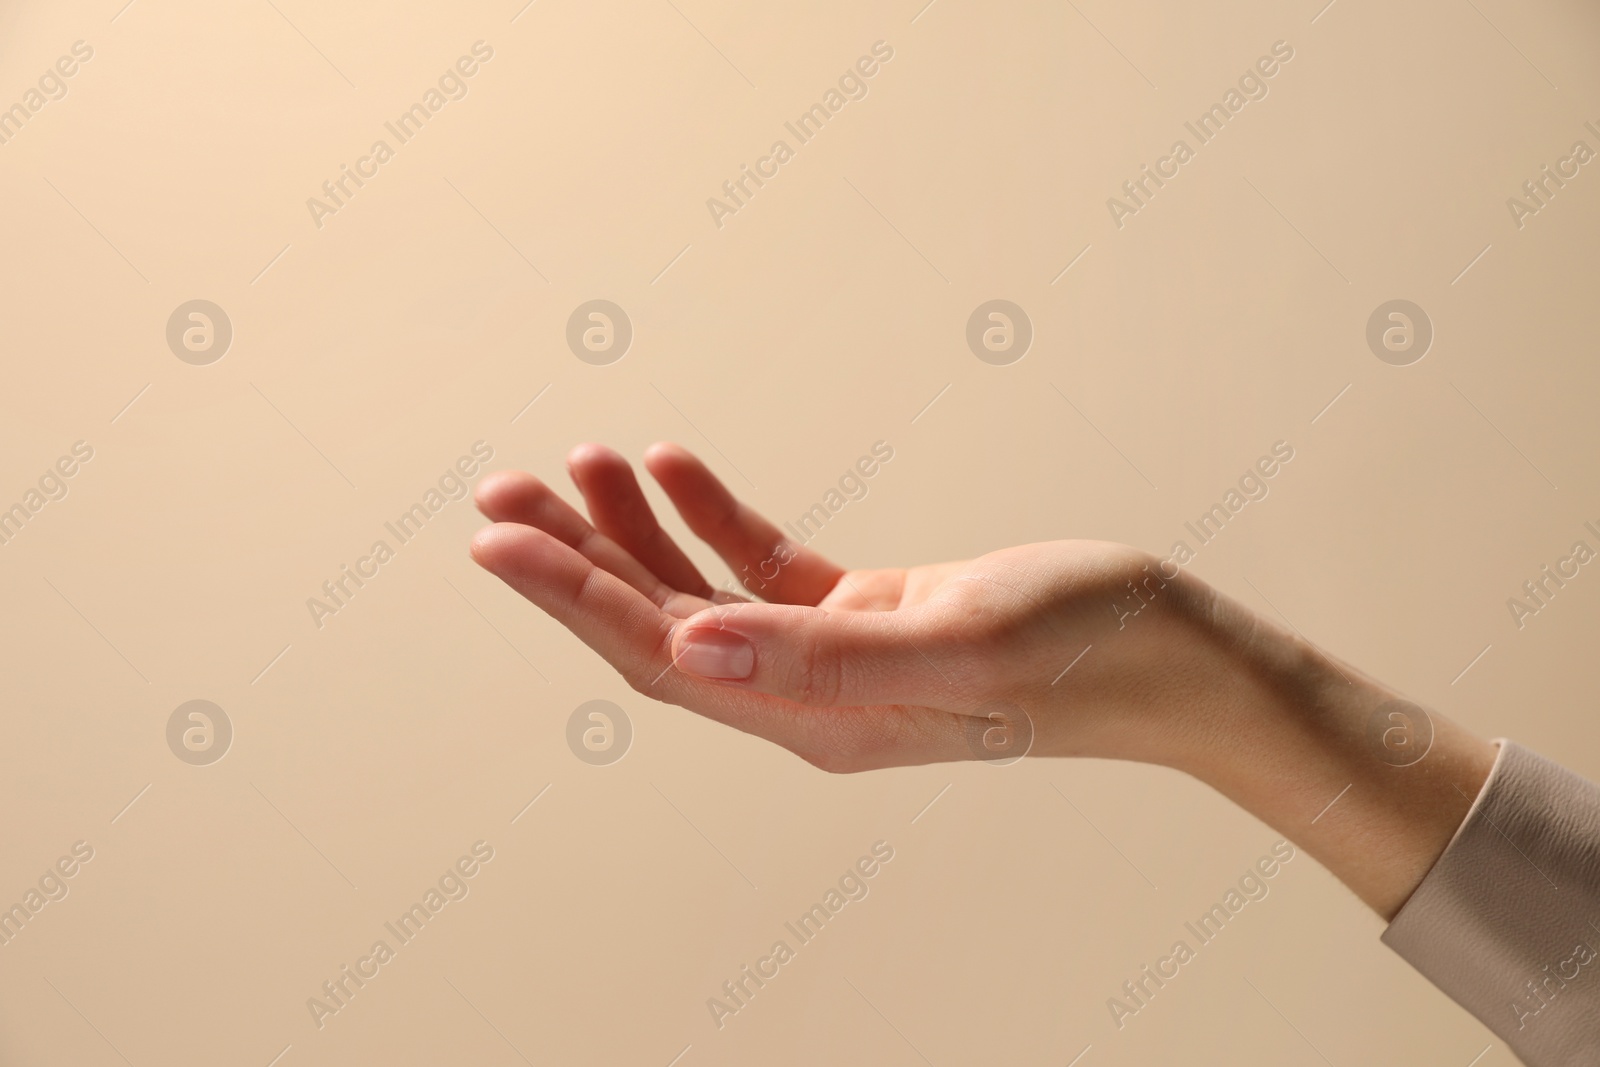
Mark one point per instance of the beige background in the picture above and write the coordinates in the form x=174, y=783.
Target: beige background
x=370, y=353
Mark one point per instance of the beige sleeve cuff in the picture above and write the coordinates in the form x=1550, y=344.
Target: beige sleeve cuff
x=1505, y=922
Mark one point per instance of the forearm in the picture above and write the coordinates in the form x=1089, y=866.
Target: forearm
x=1370, y=785
x=1483, y=858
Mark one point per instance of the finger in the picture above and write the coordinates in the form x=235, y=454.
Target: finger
x=608, y=614
x=518, y=497
x=635, y=637
x=767, y=562
x=620, y=511
x=828, y=658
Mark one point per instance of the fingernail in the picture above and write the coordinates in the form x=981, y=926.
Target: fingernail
x=716, y=654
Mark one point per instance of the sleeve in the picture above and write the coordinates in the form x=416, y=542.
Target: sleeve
x=1506, y=921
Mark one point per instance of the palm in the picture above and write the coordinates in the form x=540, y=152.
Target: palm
x=1008, y=583
x=887, y=589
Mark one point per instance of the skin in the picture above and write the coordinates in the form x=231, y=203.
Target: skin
x=858, y=670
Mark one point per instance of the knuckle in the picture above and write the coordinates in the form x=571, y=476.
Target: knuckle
x=643, y=672
x=814, y=673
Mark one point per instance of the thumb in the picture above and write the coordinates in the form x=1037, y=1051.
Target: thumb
x=826, y=658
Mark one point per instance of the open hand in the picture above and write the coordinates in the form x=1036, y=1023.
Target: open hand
x=855, y=669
